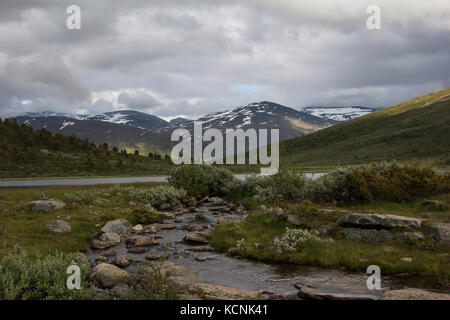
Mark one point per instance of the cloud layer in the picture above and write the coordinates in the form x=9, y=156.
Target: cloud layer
x=191, y=57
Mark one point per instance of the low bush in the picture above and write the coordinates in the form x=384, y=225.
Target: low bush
x=147, y=215
x=40, y=277
x=158, y=195
x=202, y=180
x=385, y=181
x=293, y=240
x=82, y=197
x=152, y=283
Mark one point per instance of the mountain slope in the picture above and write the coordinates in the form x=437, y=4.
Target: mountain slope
x=28, y=153
x=132, y=118
x=415, y=129
x=264, y=115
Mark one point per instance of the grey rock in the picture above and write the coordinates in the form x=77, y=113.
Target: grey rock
x=371, y=235
x=107, y=275
x=110, y=237
x=409, y=237
x=58, y=226
x=46, y=205
x=441, y=232
x=378, y=221
x=116, y=226
x=122, y=261
x=196, y=237
x=120, y=290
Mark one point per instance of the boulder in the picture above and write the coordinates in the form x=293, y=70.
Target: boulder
x=46, y=205
x=372, y=235
x=122, y=261
x=296, y=220
x=414, y=294
x=433, y=205
x=107, y=275
x=441, y=232
x=378, y=221
x=110, y=237
x=116, y=226
x=58, y=226
x=192, y=202
x=216, y=200
x=140, y=241
x=101, y=259
x=101, y=245
x=409, y=237
x=204, y=199
x=137, y=228
x=196, y=237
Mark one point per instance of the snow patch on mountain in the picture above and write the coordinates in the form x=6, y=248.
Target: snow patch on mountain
x=338, y=113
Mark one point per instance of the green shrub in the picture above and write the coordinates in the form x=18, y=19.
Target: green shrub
x=385, y=181
x=40, y=277
x=81, y=197
x=158, y=195
x=147, y=215
x=152, y=283
x=202, y=180
x=293, y=240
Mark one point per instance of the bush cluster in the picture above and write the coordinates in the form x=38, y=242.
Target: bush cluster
x=158, y=195
x=40, y=277
x=202, y=180
x=293, y=240
x=385, y=181
x=147, y=215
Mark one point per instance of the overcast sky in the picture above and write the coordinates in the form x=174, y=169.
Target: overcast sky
x=192, y=57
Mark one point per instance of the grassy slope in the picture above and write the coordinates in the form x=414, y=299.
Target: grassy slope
x=416, y=129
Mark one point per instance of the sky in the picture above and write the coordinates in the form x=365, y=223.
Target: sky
x=189, y=58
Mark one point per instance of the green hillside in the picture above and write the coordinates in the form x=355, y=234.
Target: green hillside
x=414, y=130
x=26, y=153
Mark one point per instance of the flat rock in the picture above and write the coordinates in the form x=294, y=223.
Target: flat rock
x=116, y=226
x=58, y=226
x=46, y=205
x=441, y=232
x=378, y=221
x=309, y=293
x=107, y=275
x=140, y=241
x=414, y=294
x=110, y=237
x=196, y=237
x=371, y=235
x=122, y=261
x=137, y=250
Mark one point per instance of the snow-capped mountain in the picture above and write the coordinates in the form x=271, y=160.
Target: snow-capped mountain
x=338, y=113
x=264, y=115
x=138, y=130
x=132, y=118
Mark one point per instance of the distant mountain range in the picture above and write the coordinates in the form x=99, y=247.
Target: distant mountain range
x=338, y=113
x=137, y=130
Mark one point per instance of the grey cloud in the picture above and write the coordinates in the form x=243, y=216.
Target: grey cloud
x=191, y=53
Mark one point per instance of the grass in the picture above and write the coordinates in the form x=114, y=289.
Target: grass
x=20, y=226
x=412, y=131
x=260, y=228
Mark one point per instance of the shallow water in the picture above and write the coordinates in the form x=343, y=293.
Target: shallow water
x=278, y=281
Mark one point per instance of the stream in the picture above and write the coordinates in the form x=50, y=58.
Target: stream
x=270, y=281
